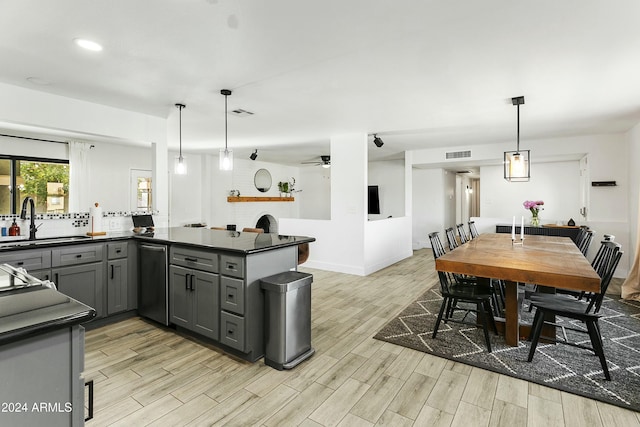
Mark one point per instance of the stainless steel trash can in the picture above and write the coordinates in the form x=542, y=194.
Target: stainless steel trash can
x=287, y=319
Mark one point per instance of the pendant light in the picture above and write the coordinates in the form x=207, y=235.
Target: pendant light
x=226, y=155
x=517, y=165
x=180, y=167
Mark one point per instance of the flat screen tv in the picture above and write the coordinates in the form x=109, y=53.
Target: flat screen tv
x=373, y=200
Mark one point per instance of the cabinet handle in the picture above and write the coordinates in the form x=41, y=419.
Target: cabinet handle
x=90, y=385
x=230, y=296
x=79, y=256
x=186, y=281
x=55, y=280
x=191, y=259
x=46, y=277
x=191, y=282
x=118, y=251
x=112, y=268
x=230, y=332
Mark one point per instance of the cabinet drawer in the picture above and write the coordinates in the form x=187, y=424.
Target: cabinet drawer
x=232, y=295
x=232, y=265
x=232, y=330
x=117, y=250
x=77, y=254
x=29, y=259
x=193, y=258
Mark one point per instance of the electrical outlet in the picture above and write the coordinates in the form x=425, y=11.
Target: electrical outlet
x=113, y=224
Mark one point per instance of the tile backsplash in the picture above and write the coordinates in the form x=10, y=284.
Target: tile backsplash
x=65, y=224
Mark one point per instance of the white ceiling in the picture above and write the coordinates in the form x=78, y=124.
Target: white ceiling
x=420, y=73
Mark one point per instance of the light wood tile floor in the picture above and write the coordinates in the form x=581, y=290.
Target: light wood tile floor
x=149, y=375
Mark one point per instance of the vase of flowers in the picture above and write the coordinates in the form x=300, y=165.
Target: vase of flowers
x=535, y=206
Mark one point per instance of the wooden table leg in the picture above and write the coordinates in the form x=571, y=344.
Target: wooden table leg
x=512, y=314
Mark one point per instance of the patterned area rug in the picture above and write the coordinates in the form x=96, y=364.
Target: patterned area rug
x=562, y=367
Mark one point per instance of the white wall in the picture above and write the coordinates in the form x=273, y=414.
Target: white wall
x=428, y=205
x=315, y=199
x=633, y=159
x=348, y=243
x=554, y=183
x=213, y=188
x=110, y=166
x=186, y=198
x=449, y=198
x=389, y=177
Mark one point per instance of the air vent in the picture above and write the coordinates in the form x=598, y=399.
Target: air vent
x=241, y=113
x=458, y=154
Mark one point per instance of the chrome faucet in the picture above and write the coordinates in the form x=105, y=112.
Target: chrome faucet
x=23, y=215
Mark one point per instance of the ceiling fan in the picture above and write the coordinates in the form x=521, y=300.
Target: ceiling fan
x=325, y=162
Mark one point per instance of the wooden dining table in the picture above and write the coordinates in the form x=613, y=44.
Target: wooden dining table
x=550, y=261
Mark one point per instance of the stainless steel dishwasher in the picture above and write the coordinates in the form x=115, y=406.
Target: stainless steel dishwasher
x=153, y=295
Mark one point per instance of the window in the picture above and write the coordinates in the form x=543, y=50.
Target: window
x=141, y=190
x=46, y=181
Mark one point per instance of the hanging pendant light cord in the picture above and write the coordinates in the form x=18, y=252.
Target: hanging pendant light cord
x=225, y=122
x=180, y=107
x=518, y=139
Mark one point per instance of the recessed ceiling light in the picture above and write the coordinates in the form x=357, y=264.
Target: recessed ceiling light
x=38, y=81
x=88, y=44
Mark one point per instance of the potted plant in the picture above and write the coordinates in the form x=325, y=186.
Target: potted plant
x=283, y=186
x=286, y=187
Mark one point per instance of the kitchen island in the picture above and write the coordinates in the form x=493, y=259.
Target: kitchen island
x=213, y=287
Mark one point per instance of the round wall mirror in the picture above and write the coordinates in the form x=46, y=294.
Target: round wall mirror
x=262, y=180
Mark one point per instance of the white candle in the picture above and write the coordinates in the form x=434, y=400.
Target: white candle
x=521, y=228
x=513, y=229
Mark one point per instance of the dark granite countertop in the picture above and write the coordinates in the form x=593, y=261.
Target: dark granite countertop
x=232, y=241
x=37, y=309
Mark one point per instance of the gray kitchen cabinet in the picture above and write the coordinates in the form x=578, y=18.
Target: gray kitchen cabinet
x=44, y=369
x=117, y=277
x=83, y=283
x=36, y=261
x=132, y=275
x=193, y=300
x=78, y=272
x=242, y=300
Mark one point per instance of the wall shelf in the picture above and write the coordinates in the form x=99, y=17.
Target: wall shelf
x=240, y=199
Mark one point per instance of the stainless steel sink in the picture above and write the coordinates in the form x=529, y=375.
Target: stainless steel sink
x=43, y=241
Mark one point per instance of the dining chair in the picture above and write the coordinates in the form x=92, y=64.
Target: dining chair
x=462, y=233
x=473, y=231
x=494, y=287
x=586, y=242
x=453, y=294
x=436, y=245
x=578, y=310
x=451, y=238
x=599, y=264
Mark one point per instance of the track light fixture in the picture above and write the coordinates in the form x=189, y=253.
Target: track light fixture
x=517, y=165
x=180, y=167
x=226, y=155
x=254, y=155
x=377, y=141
